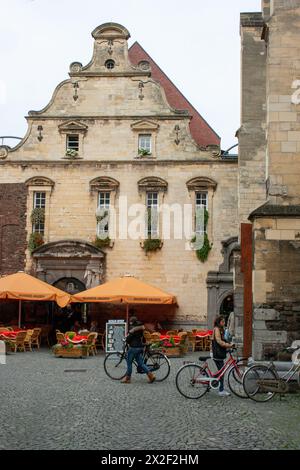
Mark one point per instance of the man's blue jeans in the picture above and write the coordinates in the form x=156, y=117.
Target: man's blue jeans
x=137, y=354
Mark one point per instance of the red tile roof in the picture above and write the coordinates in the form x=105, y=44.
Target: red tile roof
x=201, y=131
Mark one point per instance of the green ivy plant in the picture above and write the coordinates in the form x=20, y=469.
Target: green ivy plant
x=38, y=215
x=35, y=240
x=101, y=242
x=152, y=244
x=203, y=252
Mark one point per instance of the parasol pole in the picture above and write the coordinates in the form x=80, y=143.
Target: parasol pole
x=127, y=314
x=19, y=313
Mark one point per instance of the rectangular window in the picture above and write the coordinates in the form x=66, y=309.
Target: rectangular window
x=103, y=213
x=200, y=203
x=152, y=215
x=39, y=202
x=145, y=143
x=72, y=142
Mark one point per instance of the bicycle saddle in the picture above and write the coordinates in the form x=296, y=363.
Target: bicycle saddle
x=204, y=358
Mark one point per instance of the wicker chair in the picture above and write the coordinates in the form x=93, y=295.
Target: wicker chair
x=172, y=332
x=207, y=343
x=182, y=333
x=60, y=336
x=155, y=337
x=19, y=341
x=148, y=337
x=27, y=340
x=200, y=344
x=2, y=329
x=100, y=341
x=35, y=337
x=192, y=341
x=91, y=343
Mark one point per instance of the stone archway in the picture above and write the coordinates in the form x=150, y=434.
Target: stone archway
x=70, y=259
x=220, y=283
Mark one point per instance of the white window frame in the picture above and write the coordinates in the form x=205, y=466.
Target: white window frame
x=104, y=203
x=70, y=136
x=152, y=201
x=201, y=200
x=149, y=141
x=39, y=201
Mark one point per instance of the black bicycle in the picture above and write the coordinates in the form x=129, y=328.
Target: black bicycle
x=115, y=364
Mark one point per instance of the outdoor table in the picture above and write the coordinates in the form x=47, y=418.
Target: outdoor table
x=10, y=334
x=176, y=338
x=78, y=339
x=203, y=333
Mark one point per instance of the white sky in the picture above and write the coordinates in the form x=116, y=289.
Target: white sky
x=195, y=42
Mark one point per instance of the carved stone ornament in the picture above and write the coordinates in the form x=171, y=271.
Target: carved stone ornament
x=201, y=183
x=67, y=249
x=141, y=86
x=177, y=131
x=104, y=183
x=4, y=149
x=145, y=125
x=144, y=65
x=40, y=181
x=75, y=67
x=152, y=183
x=72, y=126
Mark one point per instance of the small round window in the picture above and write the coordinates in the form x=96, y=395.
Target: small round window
x=110, y=64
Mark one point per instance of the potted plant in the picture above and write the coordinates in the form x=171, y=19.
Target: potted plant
x=35, y=240
x=168, y=347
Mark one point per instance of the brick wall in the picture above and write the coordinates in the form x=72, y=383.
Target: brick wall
x=12, y=227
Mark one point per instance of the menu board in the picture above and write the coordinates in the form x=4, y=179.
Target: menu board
x=116, y=331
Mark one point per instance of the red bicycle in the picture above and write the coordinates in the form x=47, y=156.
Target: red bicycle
x=194, y=380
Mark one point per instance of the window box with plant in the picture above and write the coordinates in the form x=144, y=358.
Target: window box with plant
x=36, y=239
x=151, y=244
x=71, y=153
x=143, y=152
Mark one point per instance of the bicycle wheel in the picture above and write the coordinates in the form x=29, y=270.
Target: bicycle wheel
x=115, y=365
x=190, y=381
x=253, y=388
x=235, y=378
x=159, y=364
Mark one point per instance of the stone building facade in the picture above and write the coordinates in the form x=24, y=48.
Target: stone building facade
x=118, y=130
x=269, y=169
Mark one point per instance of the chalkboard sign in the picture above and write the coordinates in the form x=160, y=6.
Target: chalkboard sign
x=116, y=331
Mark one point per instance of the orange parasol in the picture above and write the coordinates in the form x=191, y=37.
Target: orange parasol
x=21, y=286
x=125, y=289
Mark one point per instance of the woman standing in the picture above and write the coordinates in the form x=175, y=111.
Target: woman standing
x=219, y=349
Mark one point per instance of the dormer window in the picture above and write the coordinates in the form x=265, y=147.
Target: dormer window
x=110, y=64
x=144, y=144
x=72, y=138
x=72, y=142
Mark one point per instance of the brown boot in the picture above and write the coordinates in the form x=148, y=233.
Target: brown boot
x=151, y=377
x=126, y=380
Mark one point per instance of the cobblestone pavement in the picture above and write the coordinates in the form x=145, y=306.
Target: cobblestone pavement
x=45, y=407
